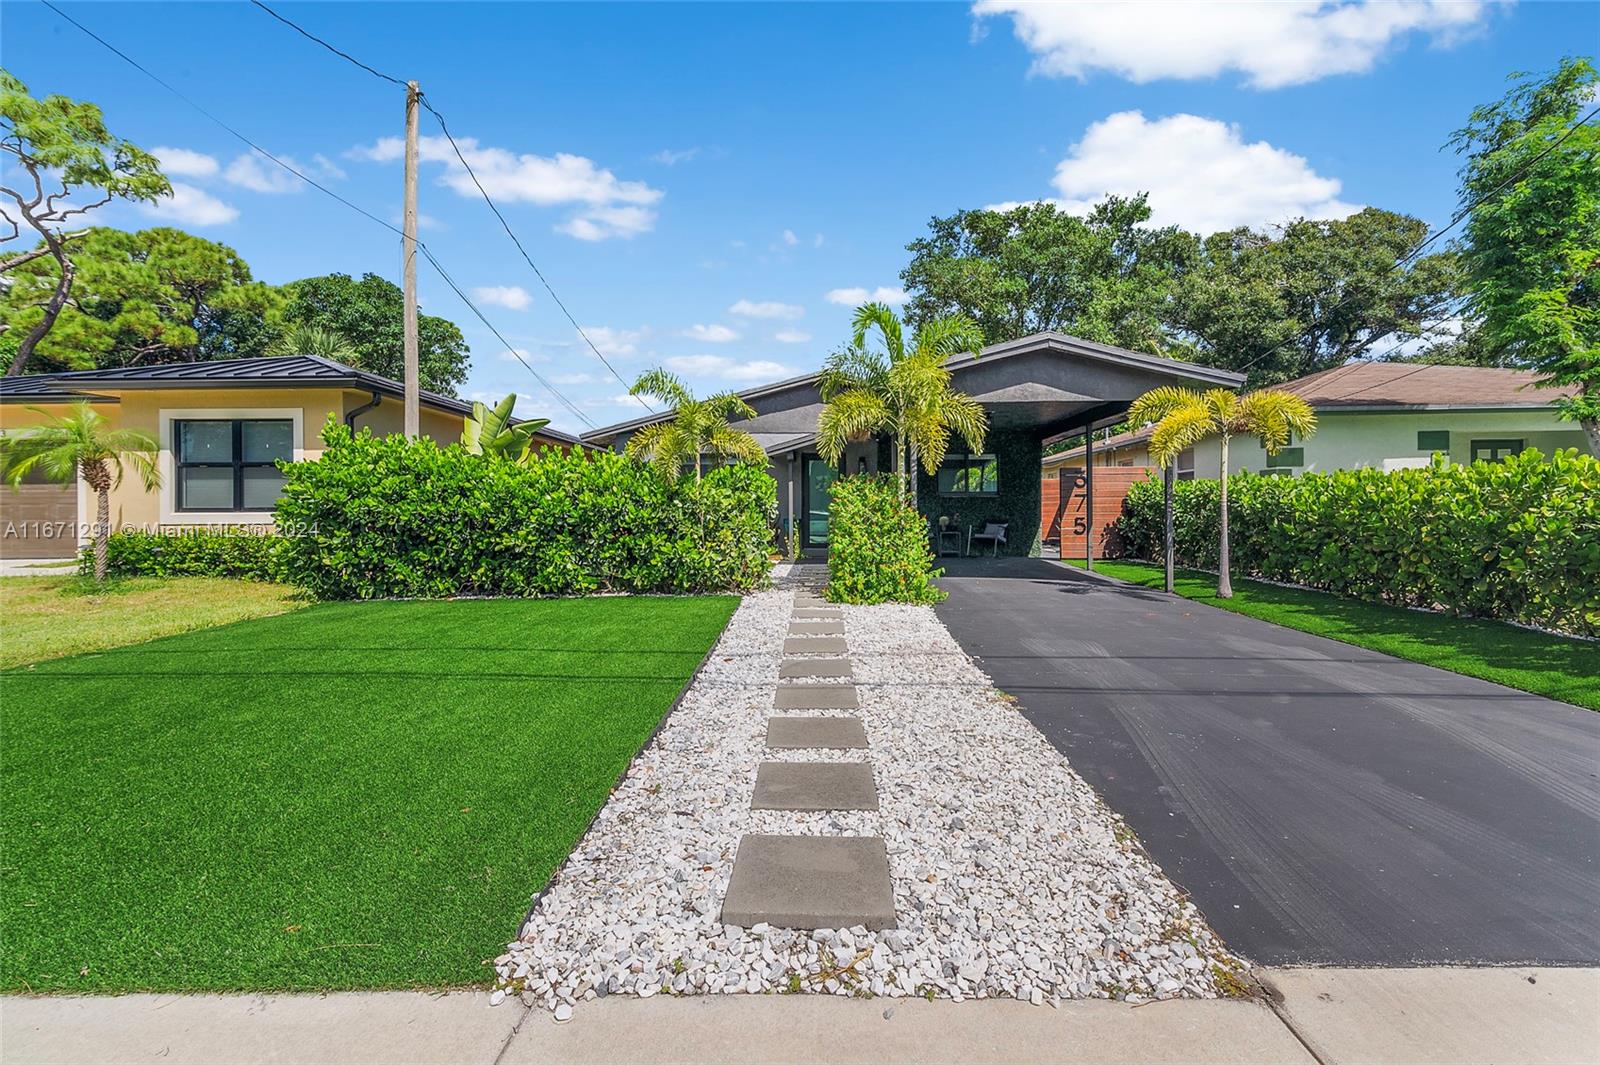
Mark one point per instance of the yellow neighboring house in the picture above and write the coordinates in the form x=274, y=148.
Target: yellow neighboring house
x=221, y=426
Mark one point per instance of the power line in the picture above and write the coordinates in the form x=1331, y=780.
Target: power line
x=461, y=157
x=427, y=253
x=1414, y=252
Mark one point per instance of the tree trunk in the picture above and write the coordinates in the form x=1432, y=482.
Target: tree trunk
x=1166, y=519
x=900, y=462
x=1592, y=427
x=911, y=474
x=98, y=478
x=58, y=298
x=1224, y=580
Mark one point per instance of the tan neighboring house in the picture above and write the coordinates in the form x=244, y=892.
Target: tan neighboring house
x=221, y=427
x=1383, y=415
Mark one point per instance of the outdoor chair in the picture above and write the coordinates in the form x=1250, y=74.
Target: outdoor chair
x=943, y=530
x=993, y=531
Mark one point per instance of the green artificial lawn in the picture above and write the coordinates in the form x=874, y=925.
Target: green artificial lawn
x=1553, y=666
x=354, y=795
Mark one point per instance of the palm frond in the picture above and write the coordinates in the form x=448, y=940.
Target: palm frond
x=850, y=367
x=879, y=316
x=1277, y=417
x=1157, y=403
x=727, y=406
x=965, y=417
x=848, y=417
x=736, y=444
x=1180, y=429
x=64, y=441
x=949, y=335
x=664, y=385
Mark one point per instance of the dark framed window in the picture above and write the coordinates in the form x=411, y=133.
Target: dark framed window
x=1495, y=450
x=969, y=475
x=1185, y=464
x=230, y=463
x=1433, y=440
x=1289, y=456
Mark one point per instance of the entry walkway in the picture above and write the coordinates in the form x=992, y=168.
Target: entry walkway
x=1321, y=803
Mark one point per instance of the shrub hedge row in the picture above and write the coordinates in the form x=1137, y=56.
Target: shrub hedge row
x=383, y=517
x=191, y=553
x=1517, y=540
x=877, y=545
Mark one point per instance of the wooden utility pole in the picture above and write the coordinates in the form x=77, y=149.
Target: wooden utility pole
x=413, y=416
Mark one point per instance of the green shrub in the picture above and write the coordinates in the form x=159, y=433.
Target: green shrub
x=191, y=553
x=386, y=517
x=877, y=545
x=1517, y=540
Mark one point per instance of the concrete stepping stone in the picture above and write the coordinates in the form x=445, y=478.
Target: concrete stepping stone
x=816, y=697
x=816, y=628
x=815, y=613
x=814, y=667
x=814, y=645
x=815, y=786
x=810, y=882
x=830, y=733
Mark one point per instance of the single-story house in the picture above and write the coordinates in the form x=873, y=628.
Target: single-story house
x=221, y=427
x=1383, y=415
x=1033, y=388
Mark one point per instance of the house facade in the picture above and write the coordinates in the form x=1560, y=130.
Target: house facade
x=1386, y=416
x=221, y=427
x=1032, y=388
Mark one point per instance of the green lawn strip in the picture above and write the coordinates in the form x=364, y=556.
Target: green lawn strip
x=356, y=795
x=47, y=617
x=1537, y=662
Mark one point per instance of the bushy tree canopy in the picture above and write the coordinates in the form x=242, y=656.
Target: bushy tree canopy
x=368, y=314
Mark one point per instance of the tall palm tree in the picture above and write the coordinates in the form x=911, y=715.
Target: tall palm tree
x=1184, y=417
x=697, y=427
x=903, y=390
x=304, y=339
x=81, y=444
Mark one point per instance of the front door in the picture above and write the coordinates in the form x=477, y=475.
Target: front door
x=816, y=484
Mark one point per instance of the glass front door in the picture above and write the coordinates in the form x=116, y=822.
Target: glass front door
x=816, y=490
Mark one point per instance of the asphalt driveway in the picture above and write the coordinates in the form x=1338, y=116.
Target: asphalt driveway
x=1322, y=803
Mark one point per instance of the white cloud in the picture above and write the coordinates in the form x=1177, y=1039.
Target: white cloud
x=766, y=309
x=573, y=379
x=1271, y=44
x=1199, y=172
x=249, y=171
x=182, y=162
x=328, y=167
x=622, y=399
x=671, y=157
x=852, y=297
x=729, y=369
x=511, y=297
x=711, y=334
x=190, y=206
x=609, y=341
x=512, y=355
x=612, y=207
x=789, y=238
x=791, y=336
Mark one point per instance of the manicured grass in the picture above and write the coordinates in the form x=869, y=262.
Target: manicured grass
x=1535, y=662
x=47, y=617
x=354, y=795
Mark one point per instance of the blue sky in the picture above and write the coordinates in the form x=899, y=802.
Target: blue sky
x=705, y=185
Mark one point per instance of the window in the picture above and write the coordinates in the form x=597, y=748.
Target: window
x=1495, y=450
x=969, y=475
x=1185, y=464
x=1433, y=440
x=230, y=464
x=1289, y=456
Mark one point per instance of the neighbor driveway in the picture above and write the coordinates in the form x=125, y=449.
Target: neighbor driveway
x=1322, y=803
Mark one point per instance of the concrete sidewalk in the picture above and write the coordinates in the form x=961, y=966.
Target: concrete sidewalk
x=1342, y=1015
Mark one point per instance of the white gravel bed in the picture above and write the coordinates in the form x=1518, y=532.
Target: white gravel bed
x=1011, y=878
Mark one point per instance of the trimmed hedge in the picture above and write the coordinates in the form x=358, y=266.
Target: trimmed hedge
x=878, y=548
x=191, y=553
x=385, y=517
x=1517, y=540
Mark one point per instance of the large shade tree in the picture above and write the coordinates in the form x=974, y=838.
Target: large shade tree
x=81, y=443
x=698, y=428
x=1531, y=186
x=369, y=314
x=153, y=296
x=900, y=389
x=61, y=163
x=1184, y=417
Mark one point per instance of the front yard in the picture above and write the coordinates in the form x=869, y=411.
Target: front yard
x=357, y=795
x=1556, y=667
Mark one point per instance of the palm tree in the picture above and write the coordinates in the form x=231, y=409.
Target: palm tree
x=302, y=339
x=491, y=432
x=697, y=427
x=904, y=391
x=1184, y=417
x=82, y=444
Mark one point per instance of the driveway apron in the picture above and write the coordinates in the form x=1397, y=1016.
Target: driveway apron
x=1323, y=804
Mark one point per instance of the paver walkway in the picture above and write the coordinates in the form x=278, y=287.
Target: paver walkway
x=1321, y=803
x=813, y=881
